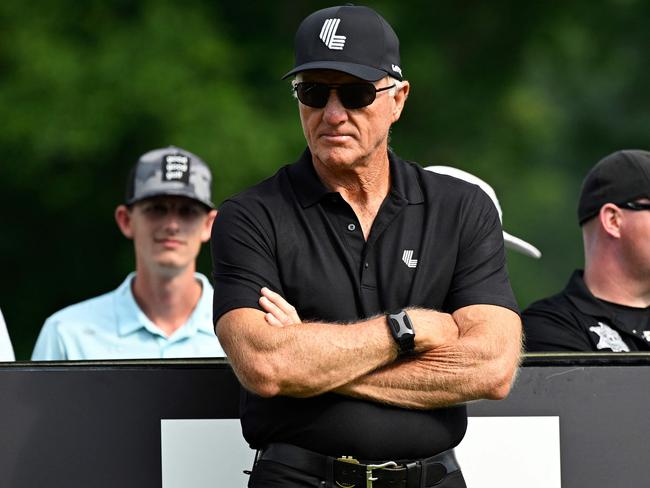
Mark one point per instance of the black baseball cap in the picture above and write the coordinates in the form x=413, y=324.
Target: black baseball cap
x=621, y=177
x=170, y=171
x=349, y=38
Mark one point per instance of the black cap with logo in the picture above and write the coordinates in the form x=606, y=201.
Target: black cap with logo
x=621, y=177
x=349, y=38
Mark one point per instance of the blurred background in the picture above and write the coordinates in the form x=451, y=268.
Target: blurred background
x=526, y=95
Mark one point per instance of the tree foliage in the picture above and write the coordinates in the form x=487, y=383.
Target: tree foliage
x=526, y=95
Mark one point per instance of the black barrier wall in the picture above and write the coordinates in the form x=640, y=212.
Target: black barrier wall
x=98, y=424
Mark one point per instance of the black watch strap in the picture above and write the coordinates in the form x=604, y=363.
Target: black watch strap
x=401, y=328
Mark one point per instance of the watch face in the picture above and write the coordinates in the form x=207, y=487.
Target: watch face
x=401, y=324
x=402, y=330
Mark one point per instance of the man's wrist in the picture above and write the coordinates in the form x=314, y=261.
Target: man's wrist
x=401, y=328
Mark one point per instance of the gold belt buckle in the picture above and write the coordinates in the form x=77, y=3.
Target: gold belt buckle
x=346, y=459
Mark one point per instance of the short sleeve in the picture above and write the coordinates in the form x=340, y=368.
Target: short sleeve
x=243, y=258
x=49, y=346
x=549, y=328
x=480, y=275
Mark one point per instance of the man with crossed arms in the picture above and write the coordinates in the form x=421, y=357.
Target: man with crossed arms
x=397, y=273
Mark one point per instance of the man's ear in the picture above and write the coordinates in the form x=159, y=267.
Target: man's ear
x=207, y=225
x=400, y=99
x=123, y=219
x=610, y=217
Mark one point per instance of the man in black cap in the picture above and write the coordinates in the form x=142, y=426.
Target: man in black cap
x=164, y=308
x=606, y=307
x=403, y=308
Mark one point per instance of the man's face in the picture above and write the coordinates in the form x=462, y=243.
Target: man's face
x=344, y=138
x=167, y=231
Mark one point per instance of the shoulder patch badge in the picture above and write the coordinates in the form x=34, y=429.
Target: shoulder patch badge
x=609, y=338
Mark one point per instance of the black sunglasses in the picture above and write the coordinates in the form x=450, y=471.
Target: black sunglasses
x=635, y=206
x=351, y=95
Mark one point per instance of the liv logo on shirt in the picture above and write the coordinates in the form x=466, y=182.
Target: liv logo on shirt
x=407, y=257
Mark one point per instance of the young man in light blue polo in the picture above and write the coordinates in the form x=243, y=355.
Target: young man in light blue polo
x=164, y=308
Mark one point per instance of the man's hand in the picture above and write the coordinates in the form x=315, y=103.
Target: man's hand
x=279, y=312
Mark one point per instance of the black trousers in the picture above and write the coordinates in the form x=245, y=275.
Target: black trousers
x=268, y=474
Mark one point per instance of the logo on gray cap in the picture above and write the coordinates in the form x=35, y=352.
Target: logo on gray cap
x=176, y=167
x=171, y=171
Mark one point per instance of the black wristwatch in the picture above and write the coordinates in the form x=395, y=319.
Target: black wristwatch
x=401, y=328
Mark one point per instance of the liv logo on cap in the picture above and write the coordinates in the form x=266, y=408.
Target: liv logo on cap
x=329, y=37
x=176, y=167
x=351, y=39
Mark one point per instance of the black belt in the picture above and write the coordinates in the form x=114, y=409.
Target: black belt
x=348, y=472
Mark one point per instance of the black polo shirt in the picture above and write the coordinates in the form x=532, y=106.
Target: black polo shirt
x=575, y=320
x=436, y=242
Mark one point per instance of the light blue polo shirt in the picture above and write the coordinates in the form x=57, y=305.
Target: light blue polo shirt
x=112, y=326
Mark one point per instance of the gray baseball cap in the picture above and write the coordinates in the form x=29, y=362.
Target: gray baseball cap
x=170, y=171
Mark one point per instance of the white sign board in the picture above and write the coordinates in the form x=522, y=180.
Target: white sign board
x=497, y=452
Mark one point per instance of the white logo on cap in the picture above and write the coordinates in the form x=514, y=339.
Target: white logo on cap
x=407, y=257
x=396, y=69
x=329, y=37
x=176, y=167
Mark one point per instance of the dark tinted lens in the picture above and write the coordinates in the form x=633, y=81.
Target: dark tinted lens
x=313, y=94
x=636, y=206
x=351, y=95
x=357, y=95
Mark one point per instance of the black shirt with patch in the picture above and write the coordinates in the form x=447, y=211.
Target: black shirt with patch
x=575, y=320
x=436, y=242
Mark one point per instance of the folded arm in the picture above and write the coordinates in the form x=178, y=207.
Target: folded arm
x=480, y=361
x=306, y=359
